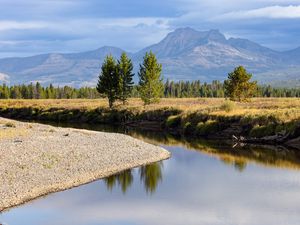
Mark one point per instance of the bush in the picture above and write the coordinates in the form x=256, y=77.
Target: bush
x=263, y=131
x=9, y=124
x=173, y=121
x=292, y=127
x=259, y=120
x=228, y=106
x=209, y=127
x=188, y=128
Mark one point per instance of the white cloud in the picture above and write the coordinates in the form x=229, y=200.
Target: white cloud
x=273, y=12
x=4, y=77
x=16, y=25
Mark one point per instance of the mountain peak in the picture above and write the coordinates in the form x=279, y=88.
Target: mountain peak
x=182, y=33
x=185, y=30
x=216, y=35
x=183, y=40
x=190, y=34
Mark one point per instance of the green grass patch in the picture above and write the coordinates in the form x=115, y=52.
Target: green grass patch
x=207, y=128
x=173, y=121
x=262, y=131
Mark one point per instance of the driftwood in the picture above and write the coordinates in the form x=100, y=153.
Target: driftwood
x=279, y=138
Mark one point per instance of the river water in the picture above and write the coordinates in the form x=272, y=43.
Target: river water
x=202, y=183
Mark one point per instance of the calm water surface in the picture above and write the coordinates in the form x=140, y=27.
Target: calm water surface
x=202, y=183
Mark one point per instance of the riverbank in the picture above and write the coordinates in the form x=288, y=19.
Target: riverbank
x=263, y=120
x=39, y=159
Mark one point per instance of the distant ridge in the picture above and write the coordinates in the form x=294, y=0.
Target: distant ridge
x=186, y=54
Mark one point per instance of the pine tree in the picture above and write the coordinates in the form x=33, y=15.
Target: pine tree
x=125, y=75
x=108, y=82
x=4, y=93
x=38, y=91
x=238, y=86
x=150, y=85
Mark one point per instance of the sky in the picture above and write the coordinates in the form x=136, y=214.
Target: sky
x=40, y=26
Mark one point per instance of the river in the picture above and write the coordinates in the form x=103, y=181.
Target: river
x=202, y=183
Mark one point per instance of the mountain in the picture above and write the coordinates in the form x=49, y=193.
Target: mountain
x=186, y=54
x=75, y=69
x=293, y=55
x=181, y=41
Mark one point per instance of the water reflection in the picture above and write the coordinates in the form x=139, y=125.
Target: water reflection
x=204, y=183
x=238, y=157
x=124, y=179
x=150, y=176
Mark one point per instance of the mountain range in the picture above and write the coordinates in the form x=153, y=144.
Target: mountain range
x=186, y=54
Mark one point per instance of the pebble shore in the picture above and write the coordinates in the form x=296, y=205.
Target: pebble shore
x=39, y=159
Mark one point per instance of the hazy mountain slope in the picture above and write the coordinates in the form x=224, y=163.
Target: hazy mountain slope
x=186, y=54
x=72, y=69
x=293, y=56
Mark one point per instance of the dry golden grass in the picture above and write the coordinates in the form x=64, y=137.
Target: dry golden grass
x=284, y=108
x=12, y=133
x=8, y=131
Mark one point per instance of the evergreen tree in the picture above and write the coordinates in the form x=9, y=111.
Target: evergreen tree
x=15, y=92
x=238, y=86
x=125, y=75
x=108, y=82
x=38, y=91
x=150, y=85
x=4, y=91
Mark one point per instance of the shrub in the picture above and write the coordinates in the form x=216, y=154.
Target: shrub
x=292, y=127
x=228, y=106
x=209, y=127
x=188, y=128
x=261, y=120
x=262, y=131
x=173, y=121
x=9, y=124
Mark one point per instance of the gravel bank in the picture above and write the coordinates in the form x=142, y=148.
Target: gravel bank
x=39, y=159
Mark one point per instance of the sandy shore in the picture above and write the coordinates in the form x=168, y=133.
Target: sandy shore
x=39, y=159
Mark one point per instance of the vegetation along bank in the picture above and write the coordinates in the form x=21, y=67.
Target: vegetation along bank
x=267, y=120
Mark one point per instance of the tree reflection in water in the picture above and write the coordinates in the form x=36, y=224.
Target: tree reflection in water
x=124, y=179
x=150, y=176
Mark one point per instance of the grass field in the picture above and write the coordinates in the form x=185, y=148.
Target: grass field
x=201, y=116
x=286, y=109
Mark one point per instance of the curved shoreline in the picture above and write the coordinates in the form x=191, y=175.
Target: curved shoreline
x=40, y=159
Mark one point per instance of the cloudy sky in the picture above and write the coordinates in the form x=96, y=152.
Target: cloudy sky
x=39, y=26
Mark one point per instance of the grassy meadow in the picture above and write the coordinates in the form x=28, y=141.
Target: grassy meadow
x=193, y=116
x=286, y=109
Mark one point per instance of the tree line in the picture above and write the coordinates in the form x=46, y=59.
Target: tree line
x=172, y=89
x=37, y=91
x=115, y=82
